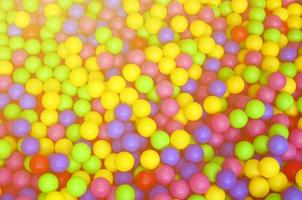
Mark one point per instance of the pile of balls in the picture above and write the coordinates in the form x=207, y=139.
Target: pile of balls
x=150, y=99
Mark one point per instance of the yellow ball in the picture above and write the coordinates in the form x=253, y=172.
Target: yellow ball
x=6, y=67
x=131, y=6
x=159, y=11
x=294, y=9
x=179, y=23
x=270, y=49
x=131, y=72
x=153, y=25
x=52, y=85
x=93, y=116
x=52, y=9
x=124, y=161
x=51, y=100
x=180, y=116
x=195, y=72
x=34, y=86
x=49, y=117
x=95, y=75
x=179, y=76
x=116, y=84
x=73, y=61
x=192, y=7
x=134, y=21
x=180, y=139
x=101, y=148
x=294, y=21
x=106, y=174
x=298, y=178
x=273, y=4
x=171, y=50
x=193, y=111
x=212, y=105
x=269, y=167
x=95, y=88
x=290, y=85
x=128, y=95
x=54, y=196
x=217, y=52
x=166, y=65
x=183, y=99
x=66, y=195
x=153, y=53
x=78, y=77
x=62, y=51
x=38, y=130
x=91, y=64
x=89, y=131
x=234, y=19
x=149, y=159
x=254, y=42
x=109, y=100
x=83, y=174
x=22, y=19
x=110, y=162
x=64, y=146
x=270, y=64
x=239, y=6
x=146, y=127
x=74, y=45
x=215, y=193
x=46, y=146
x=258, y=187
x=206, y=44
x=109, y=116
x=235, y=84
x=197, y=28
x=278, y=183
x=141, y=108
x=281, y=13
x=250, y=168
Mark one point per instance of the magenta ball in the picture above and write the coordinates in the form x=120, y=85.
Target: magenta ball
x=169, y=107
x=5, y=176
x=164, y=174
x=220, y=123
x=179, y=189
x=21, y=179
x=199, y=183
x=100, y=187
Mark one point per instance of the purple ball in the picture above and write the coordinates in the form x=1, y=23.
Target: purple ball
x=170, y=156
x=277, y=145
x=194, y=153
x=14, y=31
x=15, y=91
x=288, y=54
x=187, y=170
x=123, y=112
x=268, y=111
x=30, y=146
x=123, y=178
x=190, y=86
x=92, y=40
x=240, y=190
x=112, y=72
x=131, y=142
x=8, y=196
x=67, y=117
x=139, y=194
x=116, y=146
x=129, y=127
x=227, y=149
x=154, y=108
x=212, y=64
x=76, y=11
x=143, y=143
x=165, y=35
x=21, y=127
x=27, y=101
x=115, y=129
x=112, y=4
x=70, y=26
x=292, y=193
x=88, y=196
x=226, y=179
x=202, y=134
x=219, y=37
x=217, y=88
x=156, y=190
x=4, y=100
x=58, y=162
x=29, y=192
x=231, y=47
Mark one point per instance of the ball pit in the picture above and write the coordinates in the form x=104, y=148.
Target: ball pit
x=150, y=99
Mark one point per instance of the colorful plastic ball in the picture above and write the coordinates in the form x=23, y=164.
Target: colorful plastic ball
x=238, y=118
x=124, y=161
x=255, y=109
x=76, y=186
x=226, y=179
x=6, y=149
x=30, y=146
x=284, y=101
x=160, y=140
x=292, y=193
x=194, y=153
x=170, y=156
x=124, y=192
x=258, y=187
x=266, y=171
x=48, y=182
x=179, y=189
x=278, y=145
x=244, y=150
x=131, y=142
x=145, y=180
x=115, y=129
x=149, y=159
x=278, y=183
x=80, y=152
x=39, y=164
x=100, y=187
x=58, y=162
x=215, y=192
x=240, y=190
x=199, y=183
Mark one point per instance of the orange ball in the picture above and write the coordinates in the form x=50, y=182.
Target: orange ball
x=39, y=164
x=239, y=33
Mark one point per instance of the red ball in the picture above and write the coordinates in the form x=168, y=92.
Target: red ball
x=63, y=178
x=239, y=33
x=145, y=180
x=39, y=164
x=290, y=170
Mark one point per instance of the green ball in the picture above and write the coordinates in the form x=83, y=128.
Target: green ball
x=152, y=95
x=68, y=89
x=73, y=166
x=124, y=192
x=225, y=8
x=11, y=111
x=6, y=53
x=61, y=73
x=299, y=104
x=32, y=46
x=244, y=150
x=66, y=102
x=81, y=152
x=48, y=183
x=159, y=140
x=29, y=115
x=144, y=84
x=46, y=34
x=153, y=40
x=7, y=5
x=43, y=73
x=21, y=75
x=260, y=144
x=30, y=5
x=196, y=197
x=225, y=73
x=32, y=64
x=52, y=60
x=273, y=196
x=255, y=109
x=189, y=46
x=238, y=118
x=176, y=91
x=94, y=7
x=258, y=3
x=53, y=24
x=16, y=43
x=6, y=149
x=93, y=165
x=294, y=35
x=102, y=34
x=255, y=27
x=208, y=152
x=81, y=107
x=288, y=69
x=218, y=160
x=211, y=169
x=278, y=129
x=199, y=58
x=251, y=74
x=49, y=45
x=76, y=186
x=64, y=4
x=73, y=132
x=284, y=101
x=83, y=93
x=264, y=78
x=114, y=45
x=257, y=14
x=272, y=34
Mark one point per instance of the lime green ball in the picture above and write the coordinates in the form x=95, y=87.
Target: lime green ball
x=272, y=34
x=211, y=169
x=64, y=4
x=255, y=27
x=93, y=165
x=188, y=46
x=244, y=150
x=264, y=78
x=159, y=140
x=124, y=192
x=68, y=88
x=21, y=75
x=238, y=118
x=73, y=166
x=273, y=196
x=225, y=8
x=114, y=45
x=83, y=93
x=61, y=73
x=81, y=152
x=32, y=64
x=52, y=60
x=3, y=39
x=196, y=197
x=16, y=43
x=48, y=183
x=30, y=5
x=29, y=115
x=81, y=107
x=218, y=160
x=216, y=10
x=7, y=5
x=164, y=2
x=284, y=101
x=152, y=95
x=288, y=69
x=278, y=129
x=208, y=152
x=46, y=34
x=294, y=35
x=258, y=3
x=257, y=14
x=73, y=132
x=225, y=73
x=66, y=102
x=54, y=24
x=199, y=58
x=76, y=186
x=32, y=46
x=6, y=149
x=94, y=7
x=102, y=34
x=11, y=111
x=49, y=45
x=43, y=73
x=251, y=74
x=144, y=84
x=224, y=104
x=299, y=104
x=5, y=54
x=153, y=40
x=260, y=144
x=255, y=109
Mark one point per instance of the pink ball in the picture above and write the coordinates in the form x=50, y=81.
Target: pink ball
x=164, y=174
x=290, y=153
x=100, y=187
x=179, y=189
x=61, y=37
x=273, y=21
x=233, y=135
x=127, y=33
x=164, y=89
x=21, y=179
x=219, y=24
x=56, y=132
x=111, y=195
x=266, y=94
x=18, y=57
x=87, y=51
x=136, y=57
x=103, y=132
x=160, y=119
x=173, y=125
x=199, y=183
x=87, y=24
x=175, y=8
x=105, y=60
x=162, y=196
x=97, y=106
x=229, y=60
x=5, y=82
x=119, y=60
x=281, y=118
x=206, y=14
x=216, y=139
x=234, y=165
x=149, y=68
x=220, y=123
x=296, y=138
x=15, y=161
x=24, y=198
x=106, y=14
x=256, y=127
x=5, y=176
x=184, y=60
x=2, y=130
x=276, y=81
x=253, y=58
x=298, y=80
x=117, y=23
x=169, y=107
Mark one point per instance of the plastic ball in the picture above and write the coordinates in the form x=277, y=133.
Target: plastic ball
x=244, y=150
x=48, y=182
x=258, y=187
x=149, y=159
x=76, y=186
x=124, y=192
